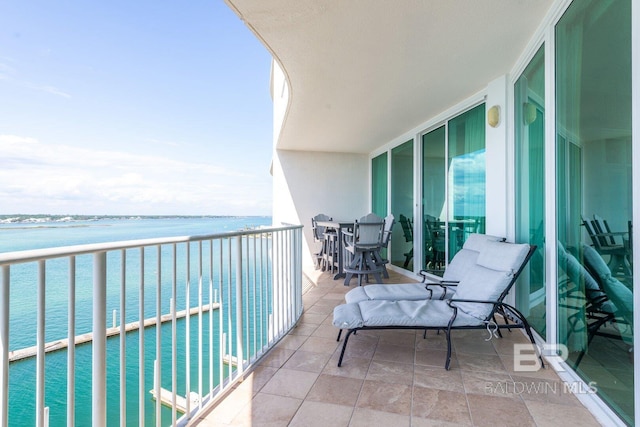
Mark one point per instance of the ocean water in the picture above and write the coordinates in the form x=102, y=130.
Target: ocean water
x=16, y=236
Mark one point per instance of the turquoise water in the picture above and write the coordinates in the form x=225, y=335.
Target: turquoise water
x=23, y=305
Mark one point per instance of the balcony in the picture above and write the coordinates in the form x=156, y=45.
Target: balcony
x=392, y=378
x=236, y=297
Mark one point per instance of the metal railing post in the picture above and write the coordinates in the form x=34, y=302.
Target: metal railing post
x=4, y=342
x=123, y=339
x=239, y=303
x=71, y=351
x=174, y=335
x=157, y=373
x=187, y=322
x=200, y=324
x=141, y=358
x=99, y=357
x=40, y=342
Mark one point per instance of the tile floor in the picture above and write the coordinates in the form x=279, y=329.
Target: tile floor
x=392, y=378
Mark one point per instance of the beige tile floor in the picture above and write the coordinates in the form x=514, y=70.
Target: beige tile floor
x=392, y=378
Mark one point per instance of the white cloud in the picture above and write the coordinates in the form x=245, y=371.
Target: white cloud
x=43, y=178
x=5, y=69
x=52, y=90
x=8, y=74
x=164, y=142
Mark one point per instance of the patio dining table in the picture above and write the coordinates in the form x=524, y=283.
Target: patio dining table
x=459, y=229
x=338, y=226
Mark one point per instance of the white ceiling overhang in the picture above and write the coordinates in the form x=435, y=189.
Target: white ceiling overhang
x=363, y=72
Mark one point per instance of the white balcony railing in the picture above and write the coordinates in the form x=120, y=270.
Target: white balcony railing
x=210, y=306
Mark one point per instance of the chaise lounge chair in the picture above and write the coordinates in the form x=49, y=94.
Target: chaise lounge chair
x=595, y=299
x=605, y=243
x=407, y=230
x=444, y=288
x=479, y=296
x=617, y=292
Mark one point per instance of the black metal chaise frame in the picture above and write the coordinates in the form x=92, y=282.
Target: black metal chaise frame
x=513, y=319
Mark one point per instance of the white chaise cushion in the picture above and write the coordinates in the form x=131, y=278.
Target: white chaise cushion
x=357, y=294
x=405, y=291
x=459, y=265
x=347, y=316
x=503, y=256
x=426, y=313
x=467, y=256
x=486, y=280
x=476, y=242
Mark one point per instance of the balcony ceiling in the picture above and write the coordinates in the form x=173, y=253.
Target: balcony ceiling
x=363, y=72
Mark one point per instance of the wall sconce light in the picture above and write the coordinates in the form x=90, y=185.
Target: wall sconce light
x=493, y=116
x=530, y=113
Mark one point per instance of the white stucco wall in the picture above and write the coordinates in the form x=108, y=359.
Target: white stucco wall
x=308, y=183
x=280, y=95
x=497, y=189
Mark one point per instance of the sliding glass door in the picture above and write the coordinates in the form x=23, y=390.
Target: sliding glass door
x=434, y=164
x=466, y=178
x=453, y=187
x=402, y=205
x=453, y=192
x=594, y=196
x=379, y=188
x=379, y=185
x=529, y=188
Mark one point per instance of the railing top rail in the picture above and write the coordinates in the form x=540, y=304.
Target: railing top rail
x=19, y=257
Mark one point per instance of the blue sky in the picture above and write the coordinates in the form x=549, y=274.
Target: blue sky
x=132, y=107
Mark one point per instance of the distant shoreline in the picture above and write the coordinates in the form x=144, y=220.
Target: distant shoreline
x=32, y=227
x=45, y=218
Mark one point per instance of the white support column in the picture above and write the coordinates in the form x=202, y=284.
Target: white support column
x=496, y=161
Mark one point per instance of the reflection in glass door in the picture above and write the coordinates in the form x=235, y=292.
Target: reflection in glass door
x=453, y=187
x=466, y=177
x=529, y=191
x=594, y=197
x=433, y=200
x=379, y=185
x=379, y=189
x=402, y=205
